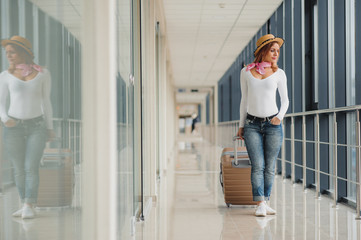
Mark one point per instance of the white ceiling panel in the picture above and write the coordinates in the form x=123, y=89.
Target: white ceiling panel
x=206, y=36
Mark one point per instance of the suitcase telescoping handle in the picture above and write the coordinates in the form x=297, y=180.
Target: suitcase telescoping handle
x=235, y=138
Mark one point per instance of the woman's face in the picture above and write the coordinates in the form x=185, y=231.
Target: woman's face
x=273, y=54
x=13, y=55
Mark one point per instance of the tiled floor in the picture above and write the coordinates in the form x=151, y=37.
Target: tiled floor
x=52, y=224
x=191, y=206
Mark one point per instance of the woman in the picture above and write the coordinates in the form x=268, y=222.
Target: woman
x=28, y=120
x=260, y=119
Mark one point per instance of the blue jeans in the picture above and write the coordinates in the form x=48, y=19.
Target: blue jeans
x=263, y=141
x=24, y=145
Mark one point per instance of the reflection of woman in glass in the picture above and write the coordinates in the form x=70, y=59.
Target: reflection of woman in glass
x=27, y=121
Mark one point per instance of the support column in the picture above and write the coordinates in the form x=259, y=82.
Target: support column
x=99, y=219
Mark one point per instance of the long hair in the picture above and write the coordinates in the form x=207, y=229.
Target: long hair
x=24, y=56
x=261, y=54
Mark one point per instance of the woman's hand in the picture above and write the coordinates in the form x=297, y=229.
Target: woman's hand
x=51, y=135
x=240, y=133
x=10, y=123
x=275, y=121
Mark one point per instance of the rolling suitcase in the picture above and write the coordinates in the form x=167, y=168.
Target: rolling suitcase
x=56, y=178
x=235, y=176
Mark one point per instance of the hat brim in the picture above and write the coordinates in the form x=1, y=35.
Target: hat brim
x=8, y=41
x=278, y=40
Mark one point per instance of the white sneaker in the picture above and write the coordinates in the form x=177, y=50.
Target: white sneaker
x=28, y=212
x=261, y=210
x=269, y=210
x=18, y=213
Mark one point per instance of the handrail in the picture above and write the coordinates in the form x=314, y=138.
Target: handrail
x=69, y=120
x=313, y=112
x=226, y=123
x=323, y=111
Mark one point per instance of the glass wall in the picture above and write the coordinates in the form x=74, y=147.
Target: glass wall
x=41, y=119
x=321, y=56
x=107, y=105
x=125, y=120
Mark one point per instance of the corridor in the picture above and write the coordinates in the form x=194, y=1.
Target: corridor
x=139, y=97
x=191, y=206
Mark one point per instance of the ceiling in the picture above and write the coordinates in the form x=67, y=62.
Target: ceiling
x=189, y=97
x=206, y=36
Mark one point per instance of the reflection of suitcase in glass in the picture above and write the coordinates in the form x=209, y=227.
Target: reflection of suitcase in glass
x=56, y=178
x=235, y=177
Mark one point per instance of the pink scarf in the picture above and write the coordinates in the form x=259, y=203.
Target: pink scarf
x=259, y=67
x=28, y=69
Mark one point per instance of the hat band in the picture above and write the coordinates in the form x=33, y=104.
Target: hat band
x=22, y=45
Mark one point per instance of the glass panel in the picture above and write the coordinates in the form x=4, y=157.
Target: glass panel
x=351, y=155
x=125, y=106
x=136, y=110
x=40, y=95
x=331, y=82
x=316, y=52
x=351, y=95
x=157, y=95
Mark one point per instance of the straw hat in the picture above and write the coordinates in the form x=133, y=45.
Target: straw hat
x=21, y=42
x=262, y=41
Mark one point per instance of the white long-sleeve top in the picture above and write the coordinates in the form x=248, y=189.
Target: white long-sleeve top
x=28, y=99
x=259, y=96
